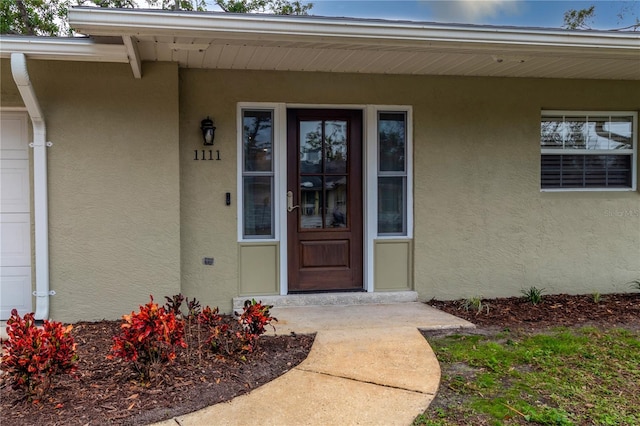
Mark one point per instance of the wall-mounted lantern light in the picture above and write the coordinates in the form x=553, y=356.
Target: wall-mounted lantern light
x=208, y=131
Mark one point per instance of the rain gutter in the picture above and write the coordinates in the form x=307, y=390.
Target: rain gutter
x=40, y=195
x=376, y=34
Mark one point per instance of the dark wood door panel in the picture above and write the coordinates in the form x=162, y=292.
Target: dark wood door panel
x=324, y=253
x=324, y=173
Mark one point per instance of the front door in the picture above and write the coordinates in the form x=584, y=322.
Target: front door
x=324, y=181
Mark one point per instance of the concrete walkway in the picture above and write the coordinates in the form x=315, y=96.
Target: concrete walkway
x=369, y=365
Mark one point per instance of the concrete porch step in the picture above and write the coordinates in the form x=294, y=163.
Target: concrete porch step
x=330, y=299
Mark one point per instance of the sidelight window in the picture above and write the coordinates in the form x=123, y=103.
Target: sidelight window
x=392, y=173
x=257, y=173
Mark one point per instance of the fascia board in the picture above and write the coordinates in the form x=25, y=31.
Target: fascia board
x=66, y=49
x=346, y=31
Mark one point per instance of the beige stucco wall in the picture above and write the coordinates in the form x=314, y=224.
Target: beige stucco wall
x=132, y=214
x=393, y=265
x=258, y=266
x=113, y=184
x=482, y=226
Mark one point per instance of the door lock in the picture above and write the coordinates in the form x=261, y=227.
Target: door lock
x=290, y=206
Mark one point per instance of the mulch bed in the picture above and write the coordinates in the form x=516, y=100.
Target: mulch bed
x=554, y=311
x=110, y=392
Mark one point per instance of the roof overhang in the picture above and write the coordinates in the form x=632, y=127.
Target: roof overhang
x=62, y=48
x=308, y=43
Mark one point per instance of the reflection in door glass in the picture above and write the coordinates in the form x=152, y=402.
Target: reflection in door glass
x=335, y=146
x=311, y=201
x=311, y=146
x=336, y=201
x=323, y=174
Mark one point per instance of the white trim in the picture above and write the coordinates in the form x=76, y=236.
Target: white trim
x=134, y=56
x=277, y=197
x=579, y=112
x=408, y=109
x=579, y=151
x=280, y=184
x=369, y=179
x=63, y=49
x=587, y=189
x=370, y=189
x=40, y=192
x=103, y=21
x=13, y=109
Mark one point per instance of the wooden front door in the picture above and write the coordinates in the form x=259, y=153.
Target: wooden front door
x=324, y=180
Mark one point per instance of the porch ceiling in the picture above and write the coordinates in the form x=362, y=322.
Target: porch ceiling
x=428, y=59
x=285, y=43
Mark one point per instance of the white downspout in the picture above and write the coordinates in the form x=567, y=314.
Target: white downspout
x=40, y=196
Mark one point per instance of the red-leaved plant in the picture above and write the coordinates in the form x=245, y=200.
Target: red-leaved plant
x=33, y=355
x=223, y=336
x=254, y=319
x=228, y=336
x=149, y=339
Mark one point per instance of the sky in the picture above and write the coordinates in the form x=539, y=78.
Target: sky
x=529, y=13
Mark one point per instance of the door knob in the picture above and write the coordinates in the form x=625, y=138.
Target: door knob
x=290, y=206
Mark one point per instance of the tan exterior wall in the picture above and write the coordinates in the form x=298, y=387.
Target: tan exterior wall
x=393, y=265
x=113, y=184
x=482, y=226
x=132, y=213
x=258, y=269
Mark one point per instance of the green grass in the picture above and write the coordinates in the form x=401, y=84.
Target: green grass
x=564, y=377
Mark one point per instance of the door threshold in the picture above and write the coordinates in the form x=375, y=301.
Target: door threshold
x=330, y=299
x=350, y=290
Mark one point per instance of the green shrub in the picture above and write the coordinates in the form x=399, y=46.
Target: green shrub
x=533, y=295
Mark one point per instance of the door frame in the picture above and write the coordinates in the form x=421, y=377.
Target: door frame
x=369, y=180
x=354, y=231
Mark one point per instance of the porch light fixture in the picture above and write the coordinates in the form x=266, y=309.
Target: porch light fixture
x=208, y=131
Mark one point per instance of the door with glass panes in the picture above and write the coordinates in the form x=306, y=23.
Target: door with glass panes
x=324, y=200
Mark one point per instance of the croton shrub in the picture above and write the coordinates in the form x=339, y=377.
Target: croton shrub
x=34, y=356
x=254, y=319
x=149, y=338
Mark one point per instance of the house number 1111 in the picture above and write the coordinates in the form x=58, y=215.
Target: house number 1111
x=202, y=154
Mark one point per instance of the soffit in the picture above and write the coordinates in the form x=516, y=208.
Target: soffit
x=285, y=43
x=476, y=60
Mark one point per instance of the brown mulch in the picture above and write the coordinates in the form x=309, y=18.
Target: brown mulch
x=561, y=310
x=110, y=392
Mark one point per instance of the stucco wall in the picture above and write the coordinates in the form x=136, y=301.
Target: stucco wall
x=113, y=184
x=482, y=226
x=132, y=214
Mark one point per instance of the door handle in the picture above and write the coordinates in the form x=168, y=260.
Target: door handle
x=290, y=206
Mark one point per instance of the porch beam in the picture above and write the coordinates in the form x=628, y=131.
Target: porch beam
x=134, y=55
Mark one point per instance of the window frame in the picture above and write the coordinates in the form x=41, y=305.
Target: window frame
x=632, y=153
x=372, y=173
x=273, y=173
x=402, y=174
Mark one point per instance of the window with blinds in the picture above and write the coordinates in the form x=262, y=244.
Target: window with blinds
x=588, y=151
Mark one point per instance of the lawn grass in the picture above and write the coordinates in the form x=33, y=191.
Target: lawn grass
x=579, y=376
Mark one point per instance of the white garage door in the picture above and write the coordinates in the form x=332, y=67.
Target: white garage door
x=15, y=217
